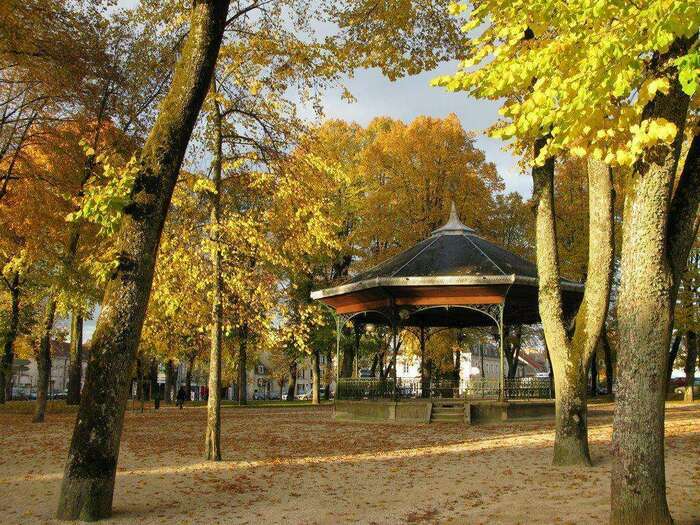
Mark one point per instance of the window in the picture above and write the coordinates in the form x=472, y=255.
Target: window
x=260, y=370
x=322, y=360
x=405, y=368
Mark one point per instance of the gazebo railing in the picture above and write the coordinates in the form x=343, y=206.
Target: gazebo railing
x=473, y=389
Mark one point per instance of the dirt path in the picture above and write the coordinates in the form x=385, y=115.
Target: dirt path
x=298, y=466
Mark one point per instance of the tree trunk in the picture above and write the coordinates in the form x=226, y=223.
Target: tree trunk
x=571, y=436
x=315, y=378
x=88, y=484
x=188, y=375
x=212, y=435
x=654, y=231
x=154, y=386
x=672, y=354
x=243, y=368
x=609, y=372
x=348, y=361
x=292, y=381
x=512, y=349
x=594, y=376
x=329, y=375
x=691, y=342
x=43, y=361
x=8, y=354
x=169, y=372
x=76, y=359
x=570, y=355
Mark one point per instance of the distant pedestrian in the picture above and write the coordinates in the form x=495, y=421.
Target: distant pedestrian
x=181, y=396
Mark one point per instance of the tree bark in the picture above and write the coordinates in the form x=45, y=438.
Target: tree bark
x=88, y=483
x=188, y=375
x=243, y=367
x=570, y=355
x=672, y=354
x=348, y=361
x=212, y=435
x=315, y=378
x=76, y=358
x=169, y=372
x=594, y=376
x=291, y=391
x=653, y=232
x=43, y=361
x=691, y=342
x=609, y=371
x=512, y=349
x=155, y=388
x=8, y=354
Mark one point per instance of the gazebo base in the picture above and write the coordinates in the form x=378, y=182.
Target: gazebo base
x=447, y=410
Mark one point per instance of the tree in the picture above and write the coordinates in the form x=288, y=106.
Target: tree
x=628, y=110
x=87, y=491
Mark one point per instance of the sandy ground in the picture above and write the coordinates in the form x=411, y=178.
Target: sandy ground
x=298, y=466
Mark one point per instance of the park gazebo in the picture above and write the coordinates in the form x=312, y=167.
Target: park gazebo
x=452, y=279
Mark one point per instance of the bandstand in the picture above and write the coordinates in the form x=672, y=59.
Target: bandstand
x=452, y=279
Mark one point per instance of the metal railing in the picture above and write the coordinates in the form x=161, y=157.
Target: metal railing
x=370, y=388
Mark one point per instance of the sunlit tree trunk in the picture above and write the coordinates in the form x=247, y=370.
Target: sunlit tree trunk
x=10, y=335
x=43, y=361
x=658, y=231
x=212, y=436
x=76, y=358
x=570, y=355
x=88, y=484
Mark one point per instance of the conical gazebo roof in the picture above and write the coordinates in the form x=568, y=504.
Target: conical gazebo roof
x=453, y=267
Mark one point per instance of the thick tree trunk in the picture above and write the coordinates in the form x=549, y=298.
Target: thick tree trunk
x=653, y=232
x=88, y=484
x=691, y=342
x=8, y=354
x=570, y=355
x=292, y=381
x=243, y=368
x=43, y=361
x=571, y=436
x=315, y=378
x=76, y=359
x=212, y=435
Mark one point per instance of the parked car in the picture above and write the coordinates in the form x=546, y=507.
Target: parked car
x=259, y=396
x=680, y=391
x=274, y=395
x=306, y=396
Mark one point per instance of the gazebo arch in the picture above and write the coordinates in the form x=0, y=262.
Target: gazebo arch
x=452, y=279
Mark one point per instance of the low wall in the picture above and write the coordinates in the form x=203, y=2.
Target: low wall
x=492, y=411
x=417, y=411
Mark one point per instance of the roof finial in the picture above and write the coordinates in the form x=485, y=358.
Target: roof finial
x=453, y=226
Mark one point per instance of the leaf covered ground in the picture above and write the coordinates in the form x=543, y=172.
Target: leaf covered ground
x=298, y=466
